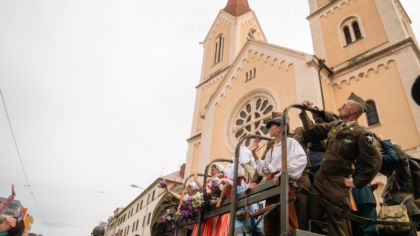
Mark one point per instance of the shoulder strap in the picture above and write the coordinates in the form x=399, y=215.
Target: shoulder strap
x=405, y=199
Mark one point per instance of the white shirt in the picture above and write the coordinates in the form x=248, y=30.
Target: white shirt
x=296, y=160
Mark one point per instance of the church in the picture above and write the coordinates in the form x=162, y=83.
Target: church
x=364, y=46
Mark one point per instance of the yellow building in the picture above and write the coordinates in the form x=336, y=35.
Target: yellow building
x=365, y=46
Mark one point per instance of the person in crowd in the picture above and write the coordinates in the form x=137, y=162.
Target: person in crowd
x=191, y=189
x=364, y=198
x=6, y=202
x=400, y=183
x=210, y=226
x=8, y=222
x=223, y=228
x=186, y=196
x=301, y=202
x=347, y=142
x=316, y=149
x=270, y=167
x=216, y=171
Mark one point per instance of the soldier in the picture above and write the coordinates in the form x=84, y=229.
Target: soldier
x=316, y=149
x=347, y=141
x=399, y=183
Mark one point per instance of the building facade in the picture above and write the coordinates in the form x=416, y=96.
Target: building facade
x=364, y=46
x=135, y=218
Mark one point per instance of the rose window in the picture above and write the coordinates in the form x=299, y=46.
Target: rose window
x=251, y=118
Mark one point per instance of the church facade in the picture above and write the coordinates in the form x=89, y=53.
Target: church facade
x=365, y=46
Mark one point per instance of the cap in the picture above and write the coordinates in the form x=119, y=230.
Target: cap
x=273, y=122
x=193, y=186
x=359, y=100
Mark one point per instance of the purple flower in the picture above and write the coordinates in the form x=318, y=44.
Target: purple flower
x=163, y=184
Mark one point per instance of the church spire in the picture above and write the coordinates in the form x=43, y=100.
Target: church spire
x=237, y=7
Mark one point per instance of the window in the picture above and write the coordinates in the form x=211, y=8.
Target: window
x=251, y=118
x=148, y=199
x=153, y=195
x=137, y=225
x=347, y=34
x=356, y=30
x=137, y=208
x=218, y=49
x=141, y=204
x=350, y=30
x=372, y=114
x=148, y=218
x=250, y=74
x=144, y=220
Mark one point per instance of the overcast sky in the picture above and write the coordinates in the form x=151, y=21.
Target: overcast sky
x=101, y=92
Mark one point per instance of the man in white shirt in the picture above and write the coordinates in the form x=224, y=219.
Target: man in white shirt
x=270, y=167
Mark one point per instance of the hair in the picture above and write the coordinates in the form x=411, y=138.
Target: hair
x=18, y=229
x=358, y=107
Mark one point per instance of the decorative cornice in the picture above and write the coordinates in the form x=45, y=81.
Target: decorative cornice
x=221, y=18
x=264, y=53
x=366, y=58
x=217, y=73
x=363, y=72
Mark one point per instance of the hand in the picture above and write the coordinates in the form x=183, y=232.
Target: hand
x=218, y=203
x=212, y=202
x=317, y=108
x=378, y=137
x=349, y=182
x=253, y=147
x=277, y=177
x=13, y=190
x=250, y=186
x=307, y=103
x=374, y=186
x=195, y=174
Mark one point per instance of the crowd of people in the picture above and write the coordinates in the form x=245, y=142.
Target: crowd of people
x=10, y=226
x=333, y=157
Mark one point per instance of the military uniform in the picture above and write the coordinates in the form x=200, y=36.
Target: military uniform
x=400, y=185
x=345, y=144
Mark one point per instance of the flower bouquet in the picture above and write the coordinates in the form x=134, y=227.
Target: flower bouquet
x=187, y=211
x=163, y=184
x=216, y=186
x=170, y=219
x=197, y=200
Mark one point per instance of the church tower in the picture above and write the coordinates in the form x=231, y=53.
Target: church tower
x=233, y=27
x=371, y=49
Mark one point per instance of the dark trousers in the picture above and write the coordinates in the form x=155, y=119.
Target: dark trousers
x=332, y=188
x=365, y=229
x=272, y=220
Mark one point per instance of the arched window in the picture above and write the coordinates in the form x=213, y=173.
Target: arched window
x=350, y=30
x=356, y=30
x=347, y=34
x=372, y=113
x=218, y=49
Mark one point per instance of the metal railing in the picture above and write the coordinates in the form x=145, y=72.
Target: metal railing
x=257, y=194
